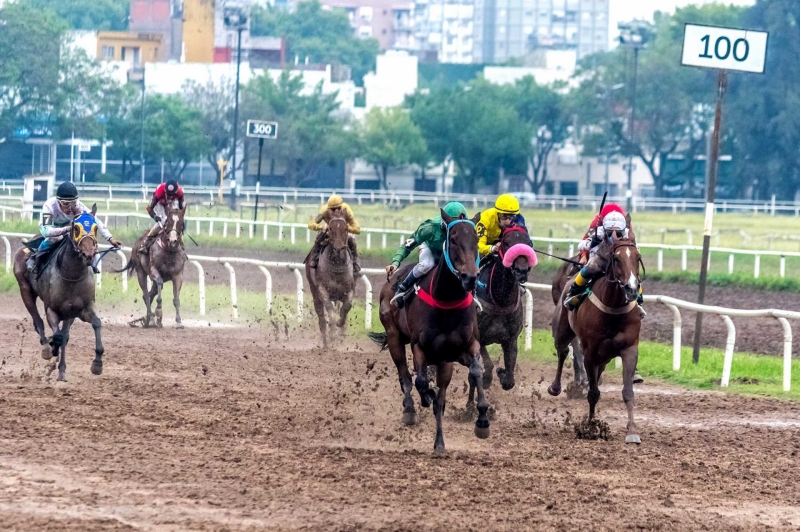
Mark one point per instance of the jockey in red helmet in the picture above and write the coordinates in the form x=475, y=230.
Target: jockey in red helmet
x=167, y=196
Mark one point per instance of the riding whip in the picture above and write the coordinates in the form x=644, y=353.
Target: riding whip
x=575, y=262
x=603, y=203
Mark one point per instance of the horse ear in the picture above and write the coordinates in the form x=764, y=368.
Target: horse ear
x=628, y=219
x=94, y=209
x=476, y=218
x=447, y=219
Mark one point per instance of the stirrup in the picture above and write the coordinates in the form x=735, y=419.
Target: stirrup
x=399, y=298
x=642, y=312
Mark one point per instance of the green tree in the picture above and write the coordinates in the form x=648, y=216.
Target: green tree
x=86, y=14
x=215, y=104
x=173, y=132
x=321, y=35
x=390, y=140
x=312, y=130
x=30, y=47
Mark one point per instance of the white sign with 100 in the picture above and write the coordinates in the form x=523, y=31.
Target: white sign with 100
x=724, y=48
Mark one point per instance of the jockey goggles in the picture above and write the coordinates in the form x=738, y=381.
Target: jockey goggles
x=67, y=203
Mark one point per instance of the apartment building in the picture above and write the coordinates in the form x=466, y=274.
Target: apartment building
x=443, y=30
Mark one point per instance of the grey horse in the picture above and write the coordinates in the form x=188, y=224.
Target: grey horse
x=163, y=262
x=65, y=284
x=332, y=281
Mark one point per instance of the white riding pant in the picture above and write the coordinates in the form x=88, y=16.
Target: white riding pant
x=426, y=261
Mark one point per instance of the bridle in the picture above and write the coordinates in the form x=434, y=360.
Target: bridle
x=447, y=245
x=610, y=270
x=175, y=227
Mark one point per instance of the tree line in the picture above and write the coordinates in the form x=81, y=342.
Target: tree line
x=483, y=131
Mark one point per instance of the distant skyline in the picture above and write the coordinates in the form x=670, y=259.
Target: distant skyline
x=624, y=10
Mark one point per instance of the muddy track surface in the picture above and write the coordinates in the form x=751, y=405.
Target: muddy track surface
x=244, y=429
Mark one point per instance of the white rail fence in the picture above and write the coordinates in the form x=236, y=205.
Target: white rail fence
x=671, y=303
x=287, y=231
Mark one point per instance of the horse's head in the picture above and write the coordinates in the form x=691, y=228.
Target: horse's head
x=517, y=253
x=84, y=235
x=173, y=227
x=623, y=268
x=337, y=233
x=461, y=248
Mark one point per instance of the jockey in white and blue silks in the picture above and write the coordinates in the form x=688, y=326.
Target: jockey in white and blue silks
x=57, y=216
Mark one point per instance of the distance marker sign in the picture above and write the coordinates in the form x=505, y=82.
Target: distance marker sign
x=724, y=48
x=262, y=129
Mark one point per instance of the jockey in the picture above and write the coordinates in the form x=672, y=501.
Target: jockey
x=57, y=216
x=611, y=221
x=334, y=208
x=494, y=221
x=429, y=236
x=167, y=196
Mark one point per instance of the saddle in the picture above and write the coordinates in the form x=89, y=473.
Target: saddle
x=41, y=258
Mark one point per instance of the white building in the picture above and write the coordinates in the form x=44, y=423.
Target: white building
x=557, y=65
x=395, y=77
x=443, y=30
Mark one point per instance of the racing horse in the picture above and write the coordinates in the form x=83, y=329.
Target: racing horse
x=65, y=284
x=332, y=282
x=163, y=263
x=500, y=293
x=607, y=326
x=441, y=326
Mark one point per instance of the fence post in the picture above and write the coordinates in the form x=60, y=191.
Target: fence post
x=238, y=229
x=683, y=259
x=571, y=250
x=308, y=236
x=677, y=324
x=757, y=267
x=660, y=260
x=197, y=227
x=201, y=286
x=730, y=264
x=224, y=229
x=251, y=230
x=367, y=302
x=265, y=231
x=787, y=354
x=730, y=342
x=98, y=278
x=268, y=293
x=383, y=240
x=7, y=246
x=299, y=279
x=783, y=265
x=291, y=232
x=280, y=231
x=528, y=319
x=124, y=260
x=369, y=240
x=550, y=251
x=234, y=300
x=211, y=228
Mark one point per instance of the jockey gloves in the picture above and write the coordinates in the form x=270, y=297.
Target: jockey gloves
x=67, y=191
x=506, y=204
x=455, y=210
x=334, y=201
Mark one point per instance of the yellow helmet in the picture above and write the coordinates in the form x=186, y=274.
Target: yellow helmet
x=507, y=204
x=334, y=201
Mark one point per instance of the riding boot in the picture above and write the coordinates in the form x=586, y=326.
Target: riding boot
x=313, y=259
x=576, y=291
x=31, y=262
x=351, y=244
x=144, y=249
x=405, y=285
x=639, y=303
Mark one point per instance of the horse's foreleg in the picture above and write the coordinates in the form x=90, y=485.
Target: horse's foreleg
x=443, y=375
x=577, y=366
x=398, y=352
x=562, y=336
x=345, y=310
x=592, y=371
x=426, y=395
x=488, y=366
x=319, y=308
x=177, y=283
x=506, y=374
x=62, y=363
x=57, y=339
x=476, y=380
x=159, y=286
x=97, y=363
x=147, y=295
x=630, y=357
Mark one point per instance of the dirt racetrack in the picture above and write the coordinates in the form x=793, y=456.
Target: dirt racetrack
x=222, y=428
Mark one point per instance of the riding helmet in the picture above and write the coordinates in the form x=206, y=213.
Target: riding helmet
x=506, y=204
x=171, y=187
x=455, y=210
x=334, y=201
x=67, y=191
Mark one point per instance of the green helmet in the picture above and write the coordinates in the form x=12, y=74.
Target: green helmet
x=454, y=209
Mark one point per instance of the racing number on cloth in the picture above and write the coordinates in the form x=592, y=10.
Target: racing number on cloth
x=47, y=218
x=481, y=229
x=408, y=244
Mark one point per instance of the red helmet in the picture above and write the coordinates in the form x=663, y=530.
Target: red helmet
x=611, y=207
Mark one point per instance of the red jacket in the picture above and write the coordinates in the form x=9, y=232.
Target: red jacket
x=160, y=196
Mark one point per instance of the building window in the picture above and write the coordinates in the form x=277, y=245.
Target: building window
x=365, y=12
x=107, y=52
x=365, y=32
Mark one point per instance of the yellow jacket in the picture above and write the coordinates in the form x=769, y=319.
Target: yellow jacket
x=325, y=215
x=488, y=229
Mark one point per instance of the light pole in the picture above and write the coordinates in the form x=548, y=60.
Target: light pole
x=635, y=34
x=136, y=74
x=605, y=96
x=236, y=18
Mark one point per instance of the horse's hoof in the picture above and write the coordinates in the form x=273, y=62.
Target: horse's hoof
x=439, y=452
x=555, y=392
x=507, y=384
x=97, y=368
x=47, y=352
x=62, y=376
x=633, y=438
x=427, y=398
x=410, y=418
x=180, y=326
x=482, y=432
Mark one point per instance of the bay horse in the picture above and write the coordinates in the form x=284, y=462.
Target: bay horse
x=440, y=325
x=607, y=325
x=332, y=282
x=500, y=292
x=65, y=284
x=164, y=262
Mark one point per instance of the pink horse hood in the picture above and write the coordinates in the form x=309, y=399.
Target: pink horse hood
x=520, y=250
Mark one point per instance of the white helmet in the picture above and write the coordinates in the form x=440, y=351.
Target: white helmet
x=614, y=221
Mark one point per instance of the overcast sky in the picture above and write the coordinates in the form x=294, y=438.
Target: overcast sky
x=624, y=10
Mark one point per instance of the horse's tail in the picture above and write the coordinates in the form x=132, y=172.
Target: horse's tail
x=380, y=339
x=127, y=267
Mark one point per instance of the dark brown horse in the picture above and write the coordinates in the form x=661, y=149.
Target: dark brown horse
x=440, y=324
x=607, y=326
x=501, y=295
x=332, y=281
x=65, y=284
x=164, y=262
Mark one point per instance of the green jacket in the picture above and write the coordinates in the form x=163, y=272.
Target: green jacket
x=429, y=232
